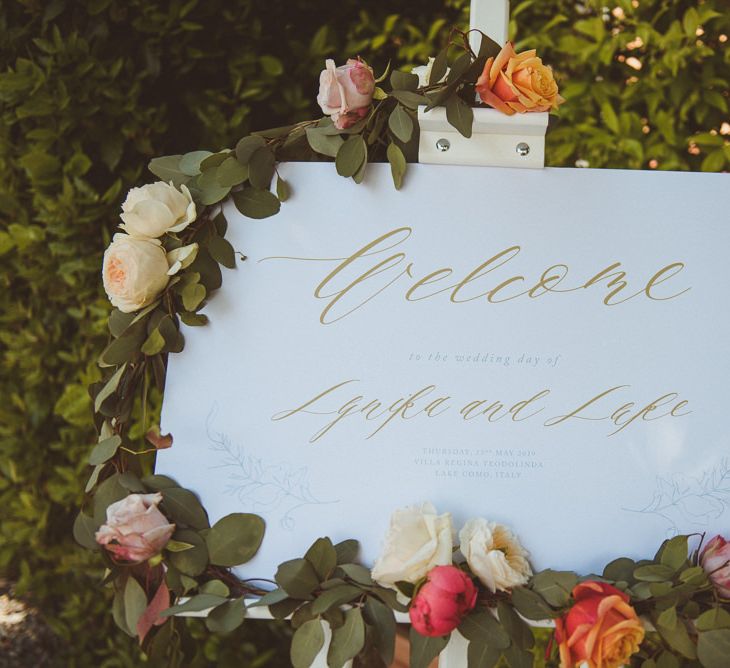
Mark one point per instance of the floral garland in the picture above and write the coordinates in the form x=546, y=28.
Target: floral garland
x=162, y=555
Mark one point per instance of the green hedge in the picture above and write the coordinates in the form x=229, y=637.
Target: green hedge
x=90, y=90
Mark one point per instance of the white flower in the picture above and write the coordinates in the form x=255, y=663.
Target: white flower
x=494, y=555
x=134, y=272
x=157, y=208
x=423, y=72
x=179, y=258
x=418, y=540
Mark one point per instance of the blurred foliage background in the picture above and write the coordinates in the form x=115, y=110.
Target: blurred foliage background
x=90, y=90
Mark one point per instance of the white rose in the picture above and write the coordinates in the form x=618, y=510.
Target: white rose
x=134, y=272
x=494, y=555
x=157, y=208
x=423, y=72
x=418, y=540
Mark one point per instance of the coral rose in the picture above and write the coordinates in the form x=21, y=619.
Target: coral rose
x=601, y=630
x=135, y=529
x=715, y=559
x=135, y=272
x=514, y=82
x=440, y=604
x=345, y=92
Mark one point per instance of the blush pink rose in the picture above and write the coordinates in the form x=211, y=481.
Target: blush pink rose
x=440, y=604
x=135, y=529
x=715, y=559
x=345, y=92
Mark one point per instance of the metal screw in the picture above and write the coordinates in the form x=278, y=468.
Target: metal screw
x=443, y=145
x=522, y=149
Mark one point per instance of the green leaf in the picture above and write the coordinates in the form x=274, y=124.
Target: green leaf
x=381, y=620
x=654, y=573
x=178, y=546
x=110, y=387
x=322, y=556
x=207, y=188
x=217, y=587
x=668, y=618
x=226, y=617
x=674, y=552
x=261, y=168
x=193, y=561
x=620, y=570
x=326, y=144
x=84, y=530
x=297, y=578
x=235, y=539
x=271, y=597
x=193, y=295
x=154, y=344
x=397, y=164
x=105, y=450
x=554, y=586
x=410, y=99
x=214, y=160
x=335, y=597
x=195, y=604
x=347, y=640
x=306, y=643
x=168, y=169
x=438, y=69
x=358, y=573
x=458, y=68
x=231, y=172
x=401, y=124
x=282, y=189
x=247, y=146
x=678, y=639
x=135, y=603
x=222, y=252
x=183, y=507
x=713, y=648
x=609, y=117
x=518, y=658
x=531, y=605
x=118, y=613
x=717, y=618
x=119, y=321
x=158, y=482
x=403, y=80
x=480, y=655
x=351, y=156
x=483, y=627
x=460, y=115
x=190, y=162
x=255, y=203
x=516, y=628
x=424, y=650
x=347, y=551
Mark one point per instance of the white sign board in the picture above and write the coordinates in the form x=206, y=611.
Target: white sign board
x=549, y=349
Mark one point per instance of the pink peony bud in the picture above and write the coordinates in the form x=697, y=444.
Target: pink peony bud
x=440, y=604
x=715, y=559
x=345, y=92
x=135, y=529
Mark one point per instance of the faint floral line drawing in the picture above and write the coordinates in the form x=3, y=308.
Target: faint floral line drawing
x=263, y=488
x=688, y=501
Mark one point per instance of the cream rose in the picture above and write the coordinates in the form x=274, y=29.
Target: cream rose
x=135, y=272
x=345, y=92
x=135, y=529
x=494, y=555
x=418, y=540
x=156, y=208
x=423, y=72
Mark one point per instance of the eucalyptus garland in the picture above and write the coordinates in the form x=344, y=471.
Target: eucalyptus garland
x=163, y=557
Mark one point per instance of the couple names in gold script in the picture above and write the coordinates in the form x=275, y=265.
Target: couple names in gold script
x=381, y=263
x=427, y=402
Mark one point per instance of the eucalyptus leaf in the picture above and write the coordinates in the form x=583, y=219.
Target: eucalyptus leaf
x=322, y=556
x=105, y=450
x=555, y=586
x=403, y=80
x=397, y=164
x=481, y=655
x=84, y=530
x=193, y=561
x=620, y=570
x=531, y=605
x=269, y=598
x=283, y=190
x=226, y=617
x=424, y=650
x=358, y=573
x=516, y=628
x=109, y=387
x=335, y=597
x=653, y=573
x=222, y=252
x=297, y=578
x=246, y=147
x=183, y=507
x=212, y=161
x=713, y=648
x=167, y=169
x=674, y=552
x=209, y=188
x=460, y=115
x=190, y=162
x=195, y=604
x=261, y=168
x=483, y=627
x=716, y=618
x=217, y=587
x=158, y=482
x=255, y=203
x=154, y=344
x=351, y=156
x=348, y=640
x=326, y=144
x=135, y=602
x=439, y=67
x=381, y=620
x=347, y=551
x=410, y=99
x=401, y=124
x=235, y=539
x=193, y=295
x=306, y=643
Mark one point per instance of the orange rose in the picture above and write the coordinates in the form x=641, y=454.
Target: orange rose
x=514, y=82
x=601, y=630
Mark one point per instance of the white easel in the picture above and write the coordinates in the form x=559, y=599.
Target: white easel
x=497, y=140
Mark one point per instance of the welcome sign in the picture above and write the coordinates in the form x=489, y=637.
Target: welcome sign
x=547, y=349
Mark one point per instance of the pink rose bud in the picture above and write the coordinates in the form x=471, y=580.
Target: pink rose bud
x=440, y=604
x=345, y=92
x=135, y=529
x=715, y=559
